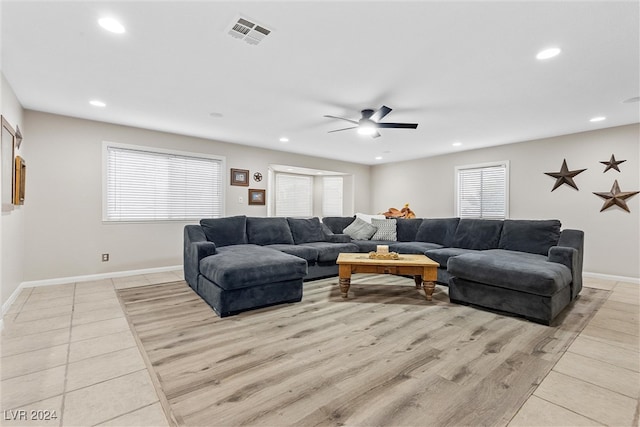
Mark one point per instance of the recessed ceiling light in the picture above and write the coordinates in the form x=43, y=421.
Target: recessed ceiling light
x=597, y=119
x=111, y=25
x=319, y=173
x=216, y=115
x=548, y=53
x=457, y=144
x=630, y=100
x=97, y=103
x=378, y=157
x=284, y=139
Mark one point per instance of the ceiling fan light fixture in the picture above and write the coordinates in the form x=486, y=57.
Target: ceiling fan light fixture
x=111, y=25
x=366, y=130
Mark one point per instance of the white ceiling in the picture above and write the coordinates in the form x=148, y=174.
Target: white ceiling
x=465, y=71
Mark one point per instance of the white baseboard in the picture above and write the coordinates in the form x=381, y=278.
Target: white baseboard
x=634, y=280
x=85, y=278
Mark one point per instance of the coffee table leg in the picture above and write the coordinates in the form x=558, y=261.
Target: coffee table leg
x=418, y=280
x=428, y=288
x=344, y=273
x=344, y=286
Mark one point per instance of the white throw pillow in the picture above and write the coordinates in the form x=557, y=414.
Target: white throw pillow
x=386, y=229
x=368, y=218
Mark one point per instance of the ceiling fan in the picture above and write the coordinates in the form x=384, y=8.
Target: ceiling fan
x=370, y=122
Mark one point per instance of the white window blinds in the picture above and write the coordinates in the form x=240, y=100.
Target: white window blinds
x=294, y=195
x=482, y=191
x=332, y=196
x=145, y=185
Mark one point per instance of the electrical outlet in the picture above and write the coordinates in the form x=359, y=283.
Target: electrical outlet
x=105, y=257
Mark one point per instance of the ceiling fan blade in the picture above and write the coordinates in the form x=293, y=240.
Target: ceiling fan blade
x=397, y=125
x=379, y=115
x=355, y=122
x=339, y=130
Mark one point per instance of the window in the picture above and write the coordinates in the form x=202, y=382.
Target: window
x=482, y=191
x=332, y=196
x=145, y=185
x=294, y=195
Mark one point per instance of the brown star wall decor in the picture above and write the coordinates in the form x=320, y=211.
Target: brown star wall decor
x=616, y=197
x=612, y=163
x=565, y=176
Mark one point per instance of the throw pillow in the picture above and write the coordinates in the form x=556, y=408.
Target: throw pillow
x=386, y=229
x=368, y=218
x=533, y=236
x=225, y=231
x=360, y=230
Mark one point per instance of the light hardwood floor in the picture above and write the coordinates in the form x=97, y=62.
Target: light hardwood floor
x=69, y=349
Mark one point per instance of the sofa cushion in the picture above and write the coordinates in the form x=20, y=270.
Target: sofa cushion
x=268, y=231
x=360, y=230
x=531, y=236
x=328, y=252
x=437, y=230
x=477, y=234
x=305, y=252
x=306, y=230
x=225, y=231
x=442, y=255
x=517, y=270
x=241, y=266
x=407, y=229
x=412, y=247
x=337, y=224
x=386, y=229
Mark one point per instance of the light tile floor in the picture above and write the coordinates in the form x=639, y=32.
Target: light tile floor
x=67, y=349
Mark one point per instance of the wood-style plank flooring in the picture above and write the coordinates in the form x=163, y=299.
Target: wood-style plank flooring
x=385, y=356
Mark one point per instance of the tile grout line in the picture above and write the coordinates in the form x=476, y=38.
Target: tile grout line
x=66, y=368
x=570, y=410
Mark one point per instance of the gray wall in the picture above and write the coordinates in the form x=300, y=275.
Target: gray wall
x=611, y=237
x=65, y=234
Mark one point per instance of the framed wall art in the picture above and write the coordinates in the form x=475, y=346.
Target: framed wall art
x=257, y=197
x=20, y=174
x=240, y=177
x=7, y=151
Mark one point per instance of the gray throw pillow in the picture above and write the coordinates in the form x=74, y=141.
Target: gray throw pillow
x=360, y=230
x=386, y=229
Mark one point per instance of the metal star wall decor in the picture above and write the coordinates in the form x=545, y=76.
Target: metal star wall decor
x=612, y=163
x=565, y=176
x=616, y=197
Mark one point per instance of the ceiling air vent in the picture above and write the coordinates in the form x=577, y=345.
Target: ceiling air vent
x=248, y=31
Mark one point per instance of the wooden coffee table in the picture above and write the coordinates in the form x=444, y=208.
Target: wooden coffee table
x=423, y=269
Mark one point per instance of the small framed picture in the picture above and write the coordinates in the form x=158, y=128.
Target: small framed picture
x=256, y=197
x=240, y=177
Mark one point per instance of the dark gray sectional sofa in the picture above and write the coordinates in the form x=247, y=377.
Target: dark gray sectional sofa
x=523, y=267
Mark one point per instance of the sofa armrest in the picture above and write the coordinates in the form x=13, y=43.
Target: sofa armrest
x=196, y=247
x=339, y=238
x=569, y=252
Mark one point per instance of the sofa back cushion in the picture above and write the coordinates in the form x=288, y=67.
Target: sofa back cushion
x=360, y=230
x=479, y=234
x=306, y=230
x=225, y=231
x=386, y=229
x=268, y=231
x=337, y=224
x=533, y=236
x=407, y=229
x=437, y=230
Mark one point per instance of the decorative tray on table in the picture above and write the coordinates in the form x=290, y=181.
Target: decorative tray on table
x=384, y=255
